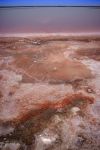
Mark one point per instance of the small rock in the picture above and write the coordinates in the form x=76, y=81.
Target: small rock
x=75, y=110
x=36, y=42
x=60, y=110
x=35, y=61
x=5, y=139
x=20, y=40
x=89, y=90
x=55, y=68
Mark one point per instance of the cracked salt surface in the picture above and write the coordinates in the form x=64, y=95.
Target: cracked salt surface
x=6, y=130
x=9, y=79
x=95, y=68
x=73, y=127
x=95, y=83
x=45, y=139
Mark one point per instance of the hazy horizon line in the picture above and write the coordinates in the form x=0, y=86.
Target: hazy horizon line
x=2, y=6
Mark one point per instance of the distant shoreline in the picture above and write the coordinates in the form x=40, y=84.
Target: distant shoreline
x=97, y=34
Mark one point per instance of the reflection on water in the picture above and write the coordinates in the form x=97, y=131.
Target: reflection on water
x=49, y=19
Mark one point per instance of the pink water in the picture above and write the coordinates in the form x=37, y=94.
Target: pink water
x=49, y=19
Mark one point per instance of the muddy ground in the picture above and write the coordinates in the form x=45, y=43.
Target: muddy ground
x=50, y=93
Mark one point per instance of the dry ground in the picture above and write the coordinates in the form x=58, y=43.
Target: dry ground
x=50, y=93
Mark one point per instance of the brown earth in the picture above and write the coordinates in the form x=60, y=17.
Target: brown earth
x=47, y=77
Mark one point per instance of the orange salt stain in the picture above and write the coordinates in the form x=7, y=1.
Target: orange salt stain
x=71, y=99
x=47, y=105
